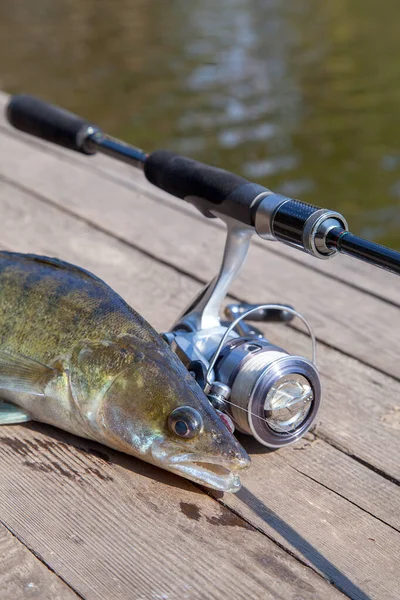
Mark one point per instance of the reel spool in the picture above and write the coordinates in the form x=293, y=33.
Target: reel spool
x=274, y=396
x=268, y=392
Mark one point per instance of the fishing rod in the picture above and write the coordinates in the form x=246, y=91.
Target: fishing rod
x=317, y=231
x=255, y=386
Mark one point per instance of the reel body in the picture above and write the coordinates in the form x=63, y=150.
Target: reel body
x=258, y=388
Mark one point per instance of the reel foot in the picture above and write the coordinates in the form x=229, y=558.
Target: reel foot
x=263, y=315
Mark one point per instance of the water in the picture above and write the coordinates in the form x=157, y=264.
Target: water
x=300, y=95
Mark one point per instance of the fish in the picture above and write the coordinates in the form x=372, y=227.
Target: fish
x=75, y=355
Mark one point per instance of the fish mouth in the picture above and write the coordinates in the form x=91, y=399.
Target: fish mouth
x=214, y=472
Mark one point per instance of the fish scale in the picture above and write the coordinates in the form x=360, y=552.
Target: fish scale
x=62, y=303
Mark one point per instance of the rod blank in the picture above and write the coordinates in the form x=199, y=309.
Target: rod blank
x=380, y=256
x=100, y=142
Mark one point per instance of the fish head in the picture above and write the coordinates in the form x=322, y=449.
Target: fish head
x=140, y=399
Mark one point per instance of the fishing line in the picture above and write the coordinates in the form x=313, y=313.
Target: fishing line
x=249, y=412
x=234, y=323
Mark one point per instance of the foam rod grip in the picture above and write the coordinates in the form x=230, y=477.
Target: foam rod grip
x=48, y=122
x=184, y=177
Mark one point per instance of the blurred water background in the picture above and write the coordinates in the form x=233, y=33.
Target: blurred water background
x=299, y=95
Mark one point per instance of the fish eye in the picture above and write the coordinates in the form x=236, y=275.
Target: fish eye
x=185, y=422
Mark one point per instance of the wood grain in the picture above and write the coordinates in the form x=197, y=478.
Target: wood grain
x=118, y=528
x=326, y=531
x=360, y=408
x=360, y=404
x=23, y=576
x=336, y=471
x=328, y=534
x=153, y=227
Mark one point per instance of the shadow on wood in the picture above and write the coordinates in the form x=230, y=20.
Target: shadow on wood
x=310, y=553
x=96, y=454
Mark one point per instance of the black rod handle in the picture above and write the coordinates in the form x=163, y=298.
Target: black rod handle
x=50, y=123
x=208, y=188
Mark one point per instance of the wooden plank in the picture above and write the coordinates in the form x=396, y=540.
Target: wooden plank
x=330, y=543
x=153, y=227
x=333, y=469
x=343, y=415
x=118, y=528
x=29, y=225
x=345, y=269
x=24, y=576
x=316, y=525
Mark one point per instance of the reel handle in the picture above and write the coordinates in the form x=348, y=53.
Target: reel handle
x=262, y=315
x=50, y=123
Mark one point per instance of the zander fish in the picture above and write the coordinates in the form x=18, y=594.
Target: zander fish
x=73, y=354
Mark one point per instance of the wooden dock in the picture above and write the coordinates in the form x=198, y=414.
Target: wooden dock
x=319, y=520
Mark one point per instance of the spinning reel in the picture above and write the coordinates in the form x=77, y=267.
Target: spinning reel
x=255, y=386
x=263, y=390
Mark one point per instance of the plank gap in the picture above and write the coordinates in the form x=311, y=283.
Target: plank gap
x=40, y=559
x=96, y=227
x=338, y=494
x=326, y=438
x=326, y=553
x=201, y=281
x=90, y=495
x=214, y=495
x=190, y=276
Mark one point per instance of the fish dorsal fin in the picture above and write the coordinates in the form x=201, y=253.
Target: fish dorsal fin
x=63, y=265
x=11, y=414
x=54, y=263
x=19, y=373
x=95, y=365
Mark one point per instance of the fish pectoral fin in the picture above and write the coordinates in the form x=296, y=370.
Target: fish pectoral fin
x=11, y=414
x=21, y=374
